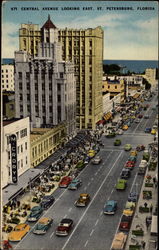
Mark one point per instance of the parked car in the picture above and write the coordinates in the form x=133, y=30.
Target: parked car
x=117, y=142
x=83, y=200
x=146, y=116
x=133, y=153
x=125, y=127
x=125, y=174
x=146, y=155
x=125, y=223
x=133, y=196
x=137, y=120
x=132, y=158
x=35, y=213
x=86, y=160
x=119, y=132
x=91, y=153
x=47, y=201
x=75, y=184
x=19, y=232
x=140, y=147
x=121, y=184
x=111, y=134
x=110, y=207
x=65, y=181
x=147, y=130
x=119, y=241
x=64, y=227
x=129, y=208
x=129, y=165
x=127, y=147
x=153, y=131
x=97, y=160
x=43, y=225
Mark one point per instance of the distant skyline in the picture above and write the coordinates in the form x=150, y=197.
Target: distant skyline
x=130, y=34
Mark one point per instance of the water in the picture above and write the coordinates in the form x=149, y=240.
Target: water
x=136, y=66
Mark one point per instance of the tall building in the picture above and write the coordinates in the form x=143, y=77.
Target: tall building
x=7, y=77
x=45, y=85
x=84, y=47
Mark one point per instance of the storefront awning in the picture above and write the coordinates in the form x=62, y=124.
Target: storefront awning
x=12, y=190
x=136, y=96
x=107, y=116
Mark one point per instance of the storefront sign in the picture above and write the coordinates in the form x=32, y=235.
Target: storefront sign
x=13, y=142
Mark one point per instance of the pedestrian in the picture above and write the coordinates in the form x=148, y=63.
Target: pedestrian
x=147, y=223
x=156, y=185
x=151, y=208
x=145, y=204
x=154, y=180
x=143, y=244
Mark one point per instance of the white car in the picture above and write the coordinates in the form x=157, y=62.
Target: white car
x=119, y=132
x=96, y=160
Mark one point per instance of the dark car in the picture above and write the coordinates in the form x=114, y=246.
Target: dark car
x=133, y=196
x=140, y=148
x=125, y=223
x=35, y=213
x=146, y=116
x=64, y=227
x=47, y=201
x=110, y=207
x=147, y=130
x=125, y=174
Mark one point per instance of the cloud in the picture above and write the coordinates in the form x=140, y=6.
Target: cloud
x=9, y=39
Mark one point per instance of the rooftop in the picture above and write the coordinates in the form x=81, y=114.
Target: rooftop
x=6, y=122
x=49, y=24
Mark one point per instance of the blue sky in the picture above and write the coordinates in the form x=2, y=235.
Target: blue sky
x=128, y=34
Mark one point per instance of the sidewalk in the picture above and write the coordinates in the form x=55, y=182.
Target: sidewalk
x=139, y=220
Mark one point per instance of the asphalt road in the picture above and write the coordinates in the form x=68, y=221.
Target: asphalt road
x=92, y=229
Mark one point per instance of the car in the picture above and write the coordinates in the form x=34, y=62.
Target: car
x=97, y=160
x=111, y=134
x=75, y=184
x=86, y=160
x=133, y=153
x=147, y=130
x=129, y=208
x=80, y=165
x=121, y=184
x=153, y=131
x=137, y=120
x=119, y=241
x=129, y=165
x=65, y=181
x=125, y=223
x=153, y=108
x=146, y=155
x=83, y=200
x=125, y=127
x=133, y=196
x=132, y=158
x=91, y=153
x=119, y=132
x=47, y=201
x=140, y=147
x=117, y=142
x=64, y=227
x=125, y=174
x=146, y=116
x=19, y=232
x=140, y=116
x=35, y=213
x=110, y=207
x=43, y=225
x=127, y=147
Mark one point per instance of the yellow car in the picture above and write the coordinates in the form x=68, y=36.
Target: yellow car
x=19, y=232
x=133, y=153
x=125, y=127
x=91, y=153
x=129, y=208
x=153, y=131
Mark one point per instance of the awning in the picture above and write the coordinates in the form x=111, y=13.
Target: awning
x=101, y=122
x=136, y=96
x=12, y=190
x=107, y=116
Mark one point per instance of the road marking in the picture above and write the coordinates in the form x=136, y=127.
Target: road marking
x=70, y=209
x=101, y=213
x=133, y=182
x=96, y=222
x=96, y=173
x=52, y=234
x=65, y=216
x=86, y=243
x=92, y=200
x=89, y=183
x=92, y=179
x=85, y=188
x=92, y=232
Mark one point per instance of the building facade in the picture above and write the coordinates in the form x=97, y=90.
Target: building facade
x=45, y=141
x=7, y=77
x=21, y=129
x=8, y=105
x=152, y=76
x=85, y=49
x=45, y=85
x=115, y=87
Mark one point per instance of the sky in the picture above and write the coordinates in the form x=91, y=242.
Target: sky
x=129, y=34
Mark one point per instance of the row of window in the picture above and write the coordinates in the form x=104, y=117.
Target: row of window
x=6, y=71
x=3, y=76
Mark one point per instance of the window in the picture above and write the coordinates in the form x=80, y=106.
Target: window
x=21, y=148
x=23, y=133
x=20, y=85
x=26, y=160
x=20, y=75
x=6, y=76
x=61, y=75
x=18, y=164
x=8, y=155
x=18, y=149
x=25, y=145
x=28, y=108
x=21, y=163
x=17, y=134
x=50, y=108
x=108, y=86
x=59, y=98
x=28, y=97
x=2, y=76
x=115, y=87
x=21, y=108
x=59, y=87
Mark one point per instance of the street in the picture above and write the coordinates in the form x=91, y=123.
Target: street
x=92, y=229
